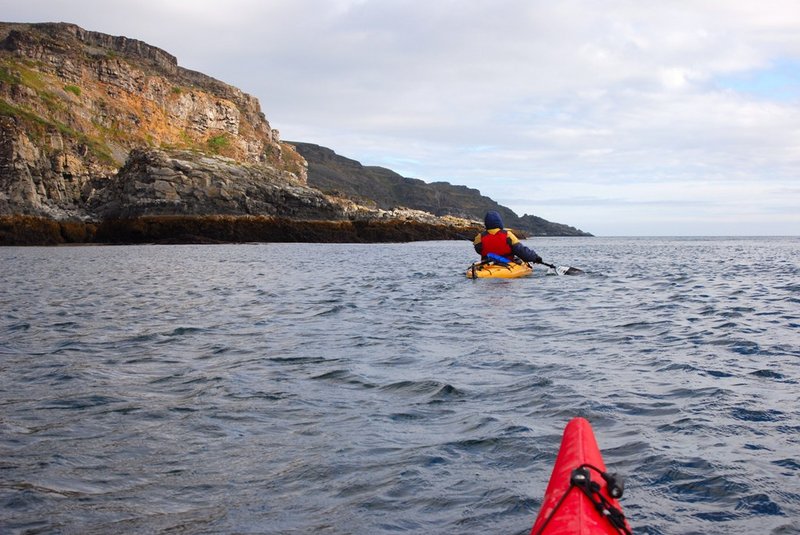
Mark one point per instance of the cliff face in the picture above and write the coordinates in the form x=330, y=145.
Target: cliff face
x=386, y=189
x=74, y=103
x=109, y=130
x=185, y=183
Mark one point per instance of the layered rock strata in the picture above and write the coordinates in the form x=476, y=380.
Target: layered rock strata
x=76, y=103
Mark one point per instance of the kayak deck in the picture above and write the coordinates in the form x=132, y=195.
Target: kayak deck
x=496, y=270
x=581, y=498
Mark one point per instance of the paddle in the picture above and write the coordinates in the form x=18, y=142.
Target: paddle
x=564, y=270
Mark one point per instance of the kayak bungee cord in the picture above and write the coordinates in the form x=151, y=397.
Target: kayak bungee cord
x=480, y=264
x=499, y=268
x=582, y=480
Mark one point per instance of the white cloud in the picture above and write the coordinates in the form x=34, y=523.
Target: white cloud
x=591, y=111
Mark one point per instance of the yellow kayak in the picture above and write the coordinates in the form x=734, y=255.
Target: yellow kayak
x=512, y=270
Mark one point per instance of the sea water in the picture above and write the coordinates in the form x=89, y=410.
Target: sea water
x=299, y=388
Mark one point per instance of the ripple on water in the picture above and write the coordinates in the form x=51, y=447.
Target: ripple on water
x=747, y=415
x=344, y=377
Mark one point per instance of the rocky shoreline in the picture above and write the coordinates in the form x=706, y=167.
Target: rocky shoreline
x=22, y=230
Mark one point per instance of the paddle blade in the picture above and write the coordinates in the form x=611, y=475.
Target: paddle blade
x=562, y=270
x=567, y=270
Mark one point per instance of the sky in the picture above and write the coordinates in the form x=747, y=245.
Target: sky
x=621, y=118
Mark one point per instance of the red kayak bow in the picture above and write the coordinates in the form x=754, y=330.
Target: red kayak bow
x=581, y=498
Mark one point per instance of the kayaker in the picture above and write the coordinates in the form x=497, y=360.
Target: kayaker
x=500, y=241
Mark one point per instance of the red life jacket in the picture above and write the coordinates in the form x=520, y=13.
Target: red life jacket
x=496, y=243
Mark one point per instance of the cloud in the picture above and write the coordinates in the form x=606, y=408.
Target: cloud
x=622, y=103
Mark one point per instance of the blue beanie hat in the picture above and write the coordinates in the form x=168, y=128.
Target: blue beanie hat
x=492, y=220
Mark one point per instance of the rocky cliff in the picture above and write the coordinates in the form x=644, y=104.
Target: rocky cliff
x=75, y=104
x=112, y=134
